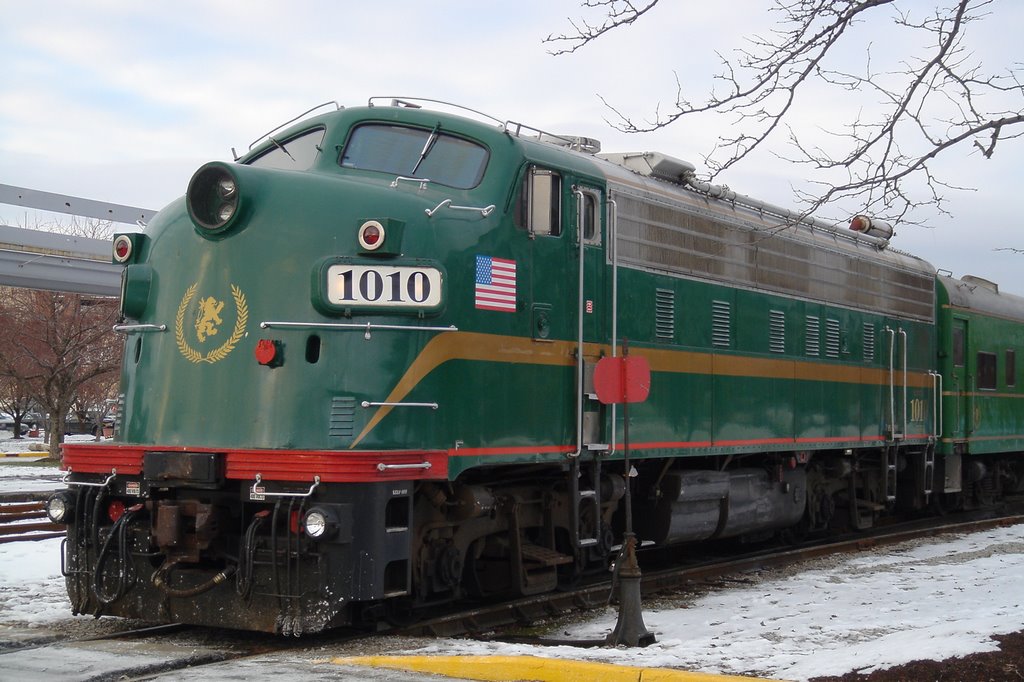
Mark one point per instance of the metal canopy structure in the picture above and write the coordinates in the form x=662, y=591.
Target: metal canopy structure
x=43, y=260
x=35, y=259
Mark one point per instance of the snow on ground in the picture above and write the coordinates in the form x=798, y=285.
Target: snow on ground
x=920, y=600
x=24, y=474
x=31, y=587
x=927, y=599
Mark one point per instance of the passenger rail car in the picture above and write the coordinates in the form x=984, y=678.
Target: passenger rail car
x=358, y=364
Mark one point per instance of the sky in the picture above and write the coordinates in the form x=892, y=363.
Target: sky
x=121, y=101
x=921, y=600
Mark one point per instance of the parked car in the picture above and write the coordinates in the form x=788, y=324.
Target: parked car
x=7, y=423
x=73, y=425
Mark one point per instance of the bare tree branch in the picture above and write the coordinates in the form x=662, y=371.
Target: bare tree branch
x=617, y=13
x=934, y=96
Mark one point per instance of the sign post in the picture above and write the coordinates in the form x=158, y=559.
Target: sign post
x=624, y=380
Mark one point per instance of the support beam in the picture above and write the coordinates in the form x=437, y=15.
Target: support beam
x=55, y=262
x=61, y=203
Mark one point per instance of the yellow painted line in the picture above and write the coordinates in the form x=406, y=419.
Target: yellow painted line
x=477, y=346
x=512, y=668
x=470, y=346
x=978, y=394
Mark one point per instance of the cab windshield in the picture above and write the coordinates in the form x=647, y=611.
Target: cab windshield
x=295, y=153
x=416, y=152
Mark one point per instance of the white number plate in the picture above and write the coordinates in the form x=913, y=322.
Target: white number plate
x=395, y=286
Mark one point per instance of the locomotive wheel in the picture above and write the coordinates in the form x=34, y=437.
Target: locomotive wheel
x=401, y=613
x=486, y=576
x=794, y=535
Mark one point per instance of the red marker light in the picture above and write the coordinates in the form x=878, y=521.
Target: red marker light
x=371, y=235
x=122, y=248
x=115, y=510
x=266, y=352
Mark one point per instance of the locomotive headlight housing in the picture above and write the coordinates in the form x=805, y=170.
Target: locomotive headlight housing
x=59, y=507
x=213, y=198
x=320, y=523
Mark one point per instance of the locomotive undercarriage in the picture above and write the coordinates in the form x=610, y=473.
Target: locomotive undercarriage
x=214, y=555
x=201, y=557
x=482, y=540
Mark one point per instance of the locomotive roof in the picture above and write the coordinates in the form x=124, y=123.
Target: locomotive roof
x=736, y=239
x=982, y=296
x=739, y=214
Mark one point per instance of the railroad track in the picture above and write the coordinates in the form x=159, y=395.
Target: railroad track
x=23, y=517
x=142, y=653
x=155, y=650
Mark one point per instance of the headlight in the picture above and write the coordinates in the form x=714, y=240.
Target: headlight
x=60, y=507
x=213, y=197
x=320, y=523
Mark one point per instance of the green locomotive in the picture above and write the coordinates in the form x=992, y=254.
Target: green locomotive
x=358, y=376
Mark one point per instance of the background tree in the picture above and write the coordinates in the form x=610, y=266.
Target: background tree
x=918, y=96
x=15, y=391
x=15, y=398
x=60, y=343
x=93, y=402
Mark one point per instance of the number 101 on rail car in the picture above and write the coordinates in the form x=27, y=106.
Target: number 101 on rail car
x=383, y=286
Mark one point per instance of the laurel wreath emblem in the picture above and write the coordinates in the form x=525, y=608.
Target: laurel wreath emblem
x=191, y=354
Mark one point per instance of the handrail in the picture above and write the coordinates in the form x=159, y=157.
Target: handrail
x=83, y=484
x=613, y=231
x=381, y=466
x=903, y=334
x=580, y=199
x=937, y=407
x=447, y=203
x=129, y=328
x=337, y=107
x=892, y=381
x=351, y=326
x=367, y=403
x=410, y=102
x=259, y=479
x=423, y=181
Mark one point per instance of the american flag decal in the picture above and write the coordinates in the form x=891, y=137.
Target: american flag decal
x=495, y=284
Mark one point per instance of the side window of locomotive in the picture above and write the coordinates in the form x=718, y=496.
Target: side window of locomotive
x=590, y=222
x=296, y=153
x=987, y=371
x=538, y=208
x=416, y=152
x=958, y=347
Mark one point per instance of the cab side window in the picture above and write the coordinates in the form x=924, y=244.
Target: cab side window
x=538, y=208
x=589, y=218
x=986, y=371
x=958, y=347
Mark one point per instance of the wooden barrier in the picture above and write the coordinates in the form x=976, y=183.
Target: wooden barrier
x=23, y=517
